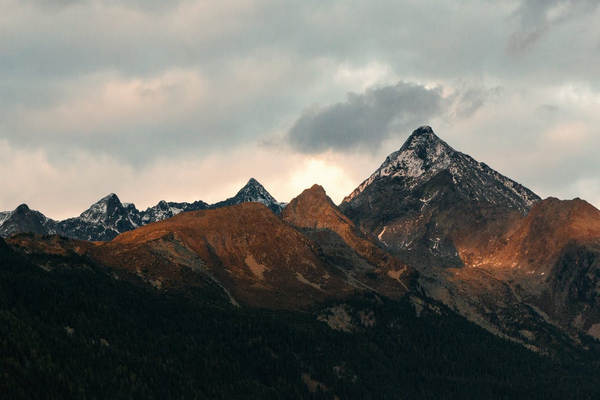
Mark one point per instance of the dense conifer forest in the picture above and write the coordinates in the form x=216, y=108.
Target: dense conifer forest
x=74, y=331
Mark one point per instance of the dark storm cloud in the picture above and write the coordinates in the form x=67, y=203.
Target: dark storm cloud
x=365, y=120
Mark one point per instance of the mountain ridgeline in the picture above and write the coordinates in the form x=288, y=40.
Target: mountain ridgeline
x=437, y=277
x=108, y=217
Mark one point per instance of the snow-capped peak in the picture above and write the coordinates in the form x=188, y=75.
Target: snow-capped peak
x=99, y=211
x=254, y=191
x=422, y=152
x=424, y=155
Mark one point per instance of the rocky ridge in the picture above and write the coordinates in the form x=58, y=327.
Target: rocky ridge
x=109, y=217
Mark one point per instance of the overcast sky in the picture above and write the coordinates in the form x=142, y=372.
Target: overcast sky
x=186, y=100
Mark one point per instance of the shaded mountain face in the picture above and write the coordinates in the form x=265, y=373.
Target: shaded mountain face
x=253, y=191
x=108, y=217
x=23, y=219
x=104, y=220
x=427, y=198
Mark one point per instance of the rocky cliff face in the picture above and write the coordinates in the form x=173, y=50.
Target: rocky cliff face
x=427, y=197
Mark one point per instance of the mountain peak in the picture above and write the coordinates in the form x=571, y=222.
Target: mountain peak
x=314, y=209
x=111, y=197
x=253, y=182
x=425, y=138
x=252, y=191
x=316, y=190
x=314, y=198
x=23, y=208
x=422, y=152
x=424, y=144
x=424, y=155
x=423, y=131
x=98, y=212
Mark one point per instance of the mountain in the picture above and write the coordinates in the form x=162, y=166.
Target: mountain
x=253, y=191
x=552, y=256
x=424, y=155
x=23, y=219
x=108, y=217
x=486, y=246
x=104, y=220
x=253, y=255
x=164, y=210
x=427, y=197
x=364, y=260
x=309, y=298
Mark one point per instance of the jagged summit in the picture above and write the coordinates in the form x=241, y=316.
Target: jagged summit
x=103, y=209
x=422, y=134
x=253, y=182
x=252, y=191
x=110, y=197
x=424, y=155
x=424, y=141
x=24, y=219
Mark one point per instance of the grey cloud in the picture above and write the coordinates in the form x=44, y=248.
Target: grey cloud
x=142, y=5
x=366, y=120
x=537, y=17
x=59, y=56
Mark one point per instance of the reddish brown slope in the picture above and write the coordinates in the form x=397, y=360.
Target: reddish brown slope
x=314, y=211
x=258, y=258
x=548, y=228
x=533, y=243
